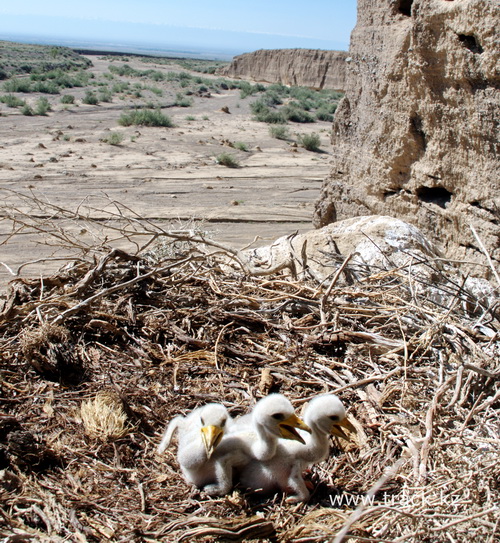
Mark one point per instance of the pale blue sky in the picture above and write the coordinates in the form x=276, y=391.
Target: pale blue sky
x=225, y=25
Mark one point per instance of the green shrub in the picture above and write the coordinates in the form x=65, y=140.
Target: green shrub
x=68, y=99
x=12, y=101
x=310, y=142
x=280, y=132
x=42, y=106
x=190, y=118
x=226, y=159
x=90, y=98
x=145, y=117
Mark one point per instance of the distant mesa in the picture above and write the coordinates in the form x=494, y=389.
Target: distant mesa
x=313, y=68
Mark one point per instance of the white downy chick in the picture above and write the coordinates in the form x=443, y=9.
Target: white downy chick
x=325, y=415
x=255, y=437
x=199, y=434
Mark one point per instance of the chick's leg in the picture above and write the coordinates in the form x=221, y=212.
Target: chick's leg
x=296, y=485
x=223, y=477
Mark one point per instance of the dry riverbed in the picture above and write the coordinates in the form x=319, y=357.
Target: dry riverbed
x=168, y=175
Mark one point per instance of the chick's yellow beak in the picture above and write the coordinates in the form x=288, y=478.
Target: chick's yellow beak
x=339, y=432
x=288, y=428
x=211, y=437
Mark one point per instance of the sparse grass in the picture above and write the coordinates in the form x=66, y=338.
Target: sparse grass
x=190, y=118
x=310, y=142
x=279, y=132
x=145, y=117
x=228, y=160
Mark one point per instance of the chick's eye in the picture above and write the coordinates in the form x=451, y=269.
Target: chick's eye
x=334, y=418
x=223, y=423
x=278, y=416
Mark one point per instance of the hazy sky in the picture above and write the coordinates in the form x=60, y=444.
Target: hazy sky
x=233, y=25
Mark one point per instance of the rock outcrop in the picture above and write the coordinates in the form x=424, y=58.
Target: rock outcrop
x=363, y=249
x=312, y=68
x=417, y=134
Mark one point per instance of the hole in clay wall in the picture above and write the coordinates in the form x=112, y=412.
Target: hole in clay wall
x=471, y=43
x=404, y=7
x=434, y=195
x=416, y=126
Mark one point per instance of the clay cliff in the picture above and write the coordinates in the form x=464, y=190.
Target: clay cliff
x=416, y=135
x=312, y=68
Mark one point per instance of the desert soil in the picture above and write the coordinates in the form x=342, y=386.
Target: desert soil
x=167, y=175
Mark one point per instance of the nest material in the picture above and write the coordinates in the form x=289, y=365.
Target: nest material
x=420, y=382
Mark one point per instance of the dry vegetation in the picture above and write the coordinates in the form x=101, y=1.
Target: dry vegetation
x=144, y=323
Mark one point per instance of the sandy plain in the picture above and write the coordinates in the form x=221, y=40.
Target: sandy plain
x=166, y=175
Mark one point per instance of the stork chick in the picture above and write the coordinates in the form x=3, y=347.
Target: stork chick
x=199, y=434
x=254, y=437
x=325, y=415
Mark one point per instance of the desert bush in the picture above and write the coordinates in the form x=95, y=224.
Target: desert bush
x=90, y=98
x=279, y=132
x=46, y=87
x=263, y=113
x=27, y=110
x=181, y=100
x=12, y=101
x=42, y=106
x=105, y=95
x=324, y=115
x=240, y=146
x=293, y=112
x=120, y=87
x=113, y=138
x=67, y=99
x=145, y=117
x=310, y=142
x=17, y=84
x=190, y=118
x=155, y=90
x=228, y=160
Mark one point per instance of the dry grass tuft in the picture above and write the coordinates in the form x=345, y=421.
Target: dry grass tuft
x=104, y=418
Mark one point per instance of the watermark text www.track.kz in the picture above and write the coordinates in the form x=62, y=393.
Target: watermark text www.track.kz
x=405, y=499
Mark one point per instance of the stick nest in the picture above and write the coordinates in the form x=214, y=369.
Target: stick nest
x=98, y=357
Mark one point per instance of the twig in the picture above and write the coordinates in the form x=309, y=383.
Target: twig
x=486, y=254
